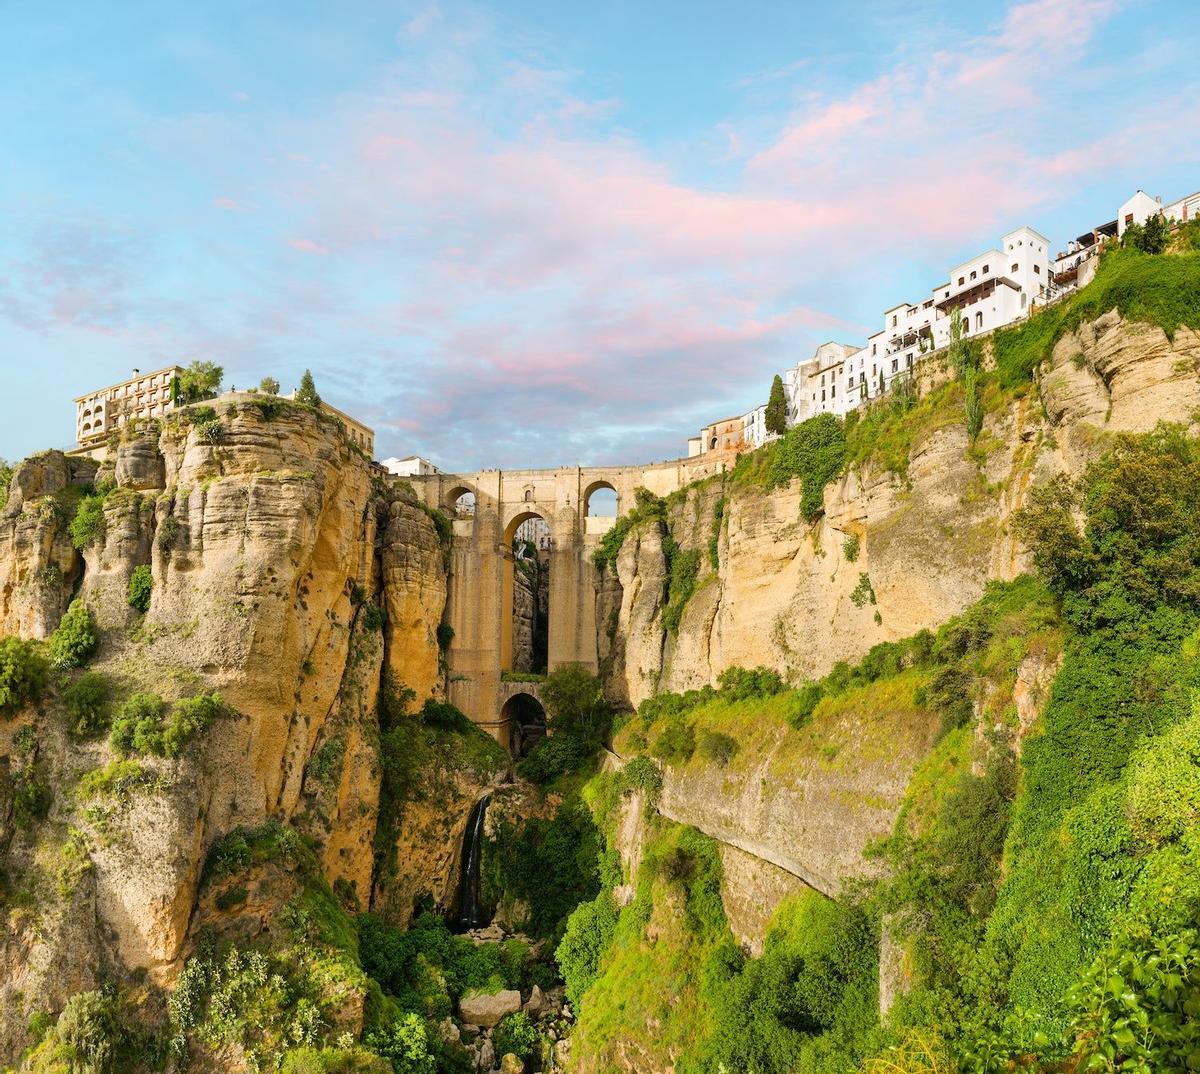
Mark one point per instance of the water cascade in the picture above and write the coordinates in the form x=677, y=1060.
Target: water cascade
x=470, y=913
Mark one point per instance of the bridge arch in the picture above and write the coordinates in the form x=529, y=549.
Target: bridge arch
x=523, y=719
x=601, y=500
x=509, y=554
x=460, y=501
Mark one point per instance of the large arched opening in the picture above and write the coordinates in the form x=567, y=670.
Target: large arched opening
x=600, y=500
x=460, y=502
x=525, y=639
x=525, y=720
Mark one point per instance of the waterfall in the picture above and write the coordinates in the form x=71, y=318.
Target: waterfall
x=469, y=911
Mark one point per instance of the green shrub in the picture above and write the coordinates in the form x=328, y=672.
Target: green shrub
x=244, y=847
x=405, y=1043
x=576, y=705
x=647, y=507
x=589, y=932
x=89, y=1033
x=549, y=865
x=863, y=592
x=32, y=796
x=676, y=742
x=210, y=432
x=516, y=1035
x=850, y=547
x=189, y=717
x=326, y=763
x=553, y=757
x=742, y=684
x=813, y=451
x=88, y=524
x=75, y=639
x=115, y=780
x=716, y=747
x=87, y=703
x=23, y=674
x=681, y=582
x=137, y=726
x=6, y=476
x=714, y=541
x=141, y=583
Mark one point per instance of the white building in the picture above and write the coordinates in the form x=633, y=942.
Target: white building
x=828, y=382
x=1139, y=208
x=142, y=396
x=409, y=466
x=755, y=423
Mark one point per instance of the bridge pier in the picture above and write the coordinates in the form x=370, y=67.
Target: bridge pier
x=480, y=588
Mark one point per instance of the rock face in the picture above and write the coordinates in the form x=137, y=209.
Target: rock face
x=799, y=809
x=927, y=545
x=39, y=566
x=286, y=578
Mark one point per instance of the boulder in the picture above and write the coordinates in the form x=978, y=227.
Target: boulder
x=510, y=1064
x=486, y=1054
x=536, y=1003
x=487, y=1009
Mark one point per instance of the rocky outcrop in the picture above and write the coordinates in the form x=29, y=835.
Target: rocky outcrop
x=927, y=544
x=39, y=566
x=272, y=584
x=413, y=581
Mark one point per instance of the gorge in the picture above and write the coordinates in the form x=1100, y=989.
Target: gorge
x=874, y=749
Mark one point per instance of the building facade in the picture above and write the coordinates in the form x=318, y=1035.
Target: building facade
x=101, y=413
x=410, y=466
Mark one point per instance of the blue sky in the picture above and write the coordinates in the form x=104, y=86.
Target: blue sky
x=541, y=233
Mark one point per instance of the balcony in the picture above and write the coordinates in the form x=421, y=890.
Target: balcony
x=974, y=291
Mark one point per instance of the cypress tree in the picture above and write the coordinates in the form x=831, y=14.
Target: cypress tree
x=306, y=394
x=776, y=417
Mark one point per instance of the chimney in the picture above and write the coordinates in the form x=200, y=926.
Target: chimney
x=137, y=372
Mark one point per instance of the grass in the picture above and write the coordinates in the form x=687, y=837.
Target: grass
x=1162, y=290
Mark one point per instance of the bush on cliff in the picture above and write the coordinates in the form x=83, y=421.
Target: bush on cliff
x=87, y=703
x=23, y=674
x=75, y=639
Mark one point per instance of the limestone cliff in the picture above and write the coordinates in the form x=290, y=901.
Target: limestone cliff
x=286, y=576
x=800, y=809
x=926, y=541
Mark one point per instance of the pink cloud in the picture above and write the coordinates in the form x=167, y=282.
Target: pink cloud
x=308, y=246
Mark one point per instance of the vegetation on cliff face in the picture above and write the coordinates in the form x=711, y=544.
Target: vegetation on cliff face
x=1046, y=904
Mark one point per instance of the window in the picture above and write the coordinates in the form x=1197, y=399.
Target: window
x=1037, y=269
x=908, y=361
x=985, y=268
x=893, y=320
x=822, y=395
x=1128, y=219
x=979, y=320
x=832, y=390
x=873, y=346
x=1016, y=267
x=1024, y=299
x=960, y=282
x=947, y=294
x=895, y=364
x=973, y=275
x=966, y=325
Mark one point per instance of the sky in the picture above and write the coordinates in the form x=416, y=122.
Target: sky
x=541, y=233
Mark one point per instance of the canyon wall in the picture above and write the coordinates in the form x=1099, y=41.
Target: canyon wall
x=286, y=578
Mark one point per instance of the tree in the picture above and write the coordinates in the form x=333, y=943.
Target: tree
x=306, y=394
x=777, y=408
x=269, y=386
x=576, y=704
x=6, y=475
x=200, y=380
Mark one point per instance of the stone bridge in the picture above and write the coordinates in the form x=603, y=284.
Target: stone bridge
x=480, y=598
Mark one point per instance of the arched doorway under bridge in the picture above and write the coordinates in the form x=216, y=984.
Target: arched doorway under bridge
x=522, y=720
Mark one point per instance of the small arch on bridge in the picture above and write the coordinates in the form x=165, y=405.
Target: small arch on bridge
x=460, y=501
x=600, y=500
x=525, y=719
